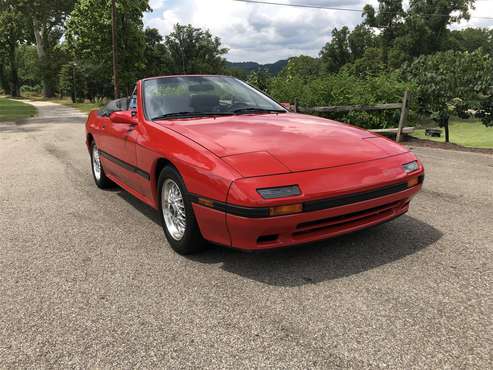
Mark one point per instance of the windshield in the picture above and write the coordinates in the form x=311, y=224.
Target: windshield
x=192, y=96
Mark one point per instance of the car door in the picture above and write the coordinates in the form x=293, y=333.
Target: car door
x=120, y=144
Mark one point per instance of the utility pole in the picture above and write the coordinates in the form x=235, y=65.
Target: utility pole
x=114, y=46
x=74, y=89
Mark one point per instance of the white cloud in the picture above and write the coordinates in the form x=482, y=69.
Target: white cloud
x=267, y=33
x=484, y=8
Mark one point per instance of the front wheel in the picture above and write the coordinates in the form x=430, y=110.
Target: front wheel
x=177, y=216
x=97, y=169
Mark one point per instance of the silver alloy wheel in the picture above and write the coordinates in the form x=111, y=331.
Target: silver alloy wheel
x=96, y=163
x=173, y=207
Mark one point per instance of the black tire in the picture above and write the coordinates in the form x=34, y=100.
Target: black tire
x=101, y=181
x=191, y=240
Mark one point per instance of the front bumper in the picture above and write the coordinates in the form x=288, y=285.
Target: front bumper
x=335, y=201
x=276, y=232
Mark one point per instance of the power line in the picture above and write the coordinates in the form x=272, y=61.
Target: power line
x=301, y=5
x=294, y=5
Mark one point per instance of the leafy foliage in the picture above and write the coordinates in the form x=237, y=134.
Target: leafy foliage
x=46, y=20
x=336, y=53
x=260, y=79
x=193, y=50
x=13, y=31
x=89, y=40
x=441, y=90
x=155, y=54
x=344, y=89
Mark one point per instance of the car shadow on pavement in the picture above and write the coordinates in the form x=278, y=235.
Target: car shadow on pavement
x=143, y=208
x=330, y=259
x=321, y=261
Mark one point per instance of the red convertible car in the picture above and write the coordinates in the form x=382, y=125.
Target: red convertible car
x=224, y=163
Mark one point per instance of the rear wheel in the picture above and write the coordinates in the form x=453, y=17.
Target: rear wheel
x=97, y=169
x=177, y=216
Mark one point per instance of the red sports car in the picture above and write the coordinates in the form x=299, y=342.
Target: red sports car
x=224, y=163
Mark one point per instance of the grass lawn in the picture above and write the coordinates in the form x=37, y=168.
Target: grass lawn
x=468, y=133
x=14, y=110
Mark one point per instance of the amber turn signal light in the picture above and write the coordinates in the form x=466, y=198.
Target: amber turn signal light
x=413, y=182
x=285, y=210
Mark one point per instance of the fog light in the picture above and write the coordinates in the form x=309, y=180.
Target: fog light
x=285, y=210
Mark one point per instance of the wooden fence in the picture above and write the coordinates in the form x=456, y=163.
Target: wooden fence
x=403, y=106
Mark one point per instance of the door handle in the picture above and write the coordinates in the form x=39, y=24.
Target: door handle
x=132, y=127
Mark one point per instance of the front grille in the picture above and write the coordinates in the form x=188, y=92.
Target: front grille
x=347, y=220
x=343, y=200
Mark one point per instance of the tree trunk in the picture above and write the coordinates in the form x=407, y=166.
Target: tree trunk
x=447, y=133
x=14, y=87
x=3, y=78
x=41, y=50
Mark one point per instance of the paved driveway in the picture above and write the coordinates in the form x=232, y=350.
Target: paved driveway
x=86, y=279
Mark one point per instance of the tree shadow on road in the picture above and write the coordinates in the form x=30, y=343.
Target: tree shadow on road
x=321, y=261
x=12, y=128
x=50, y=120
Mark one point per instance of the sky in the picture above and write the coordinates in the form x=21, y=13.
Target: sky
x=267, y=33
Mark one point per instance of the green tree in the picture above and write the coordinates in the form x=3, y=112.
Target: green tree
x=193, y=50
x=471, y=39
x=46, y=20
x=346, y=46
x=302, y=66
x=72, y=82
x=260, y=79
x=236, y=72
x=431, y=18
x=89, y=40
x=370, y=64
x=450, y=82
x=361, y=39
x=388, y=20
x=421, y=30
x=155, y=54
x=12, y=34
x=29, y=71
x=336, y=53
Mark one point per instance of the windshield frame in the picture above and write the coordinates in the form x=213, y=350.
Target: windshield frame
x=206, y=114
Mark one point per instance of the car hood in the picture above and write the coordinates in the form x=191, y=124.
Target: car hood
x=266, y=144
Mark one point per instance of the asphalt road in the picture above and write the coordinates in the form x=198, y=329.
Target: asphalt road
x=87, y=280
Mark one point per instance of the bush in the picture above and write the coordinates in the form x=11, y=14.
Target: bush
x=27, y=90
x=345, y=89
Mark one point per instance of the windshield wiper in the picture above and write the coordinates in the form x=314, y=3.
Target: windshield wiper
x=259, y=110
x=188, y=114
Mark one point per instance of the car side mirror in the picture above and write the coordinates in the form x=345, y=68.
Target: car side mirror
x=125, y=117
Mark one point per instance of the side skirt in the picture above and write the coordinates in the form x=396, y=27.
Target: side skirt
x=132, y=192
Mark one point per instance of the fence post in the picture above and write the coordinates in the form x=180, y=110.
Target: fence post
x=295, y=105
x=404, y=112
